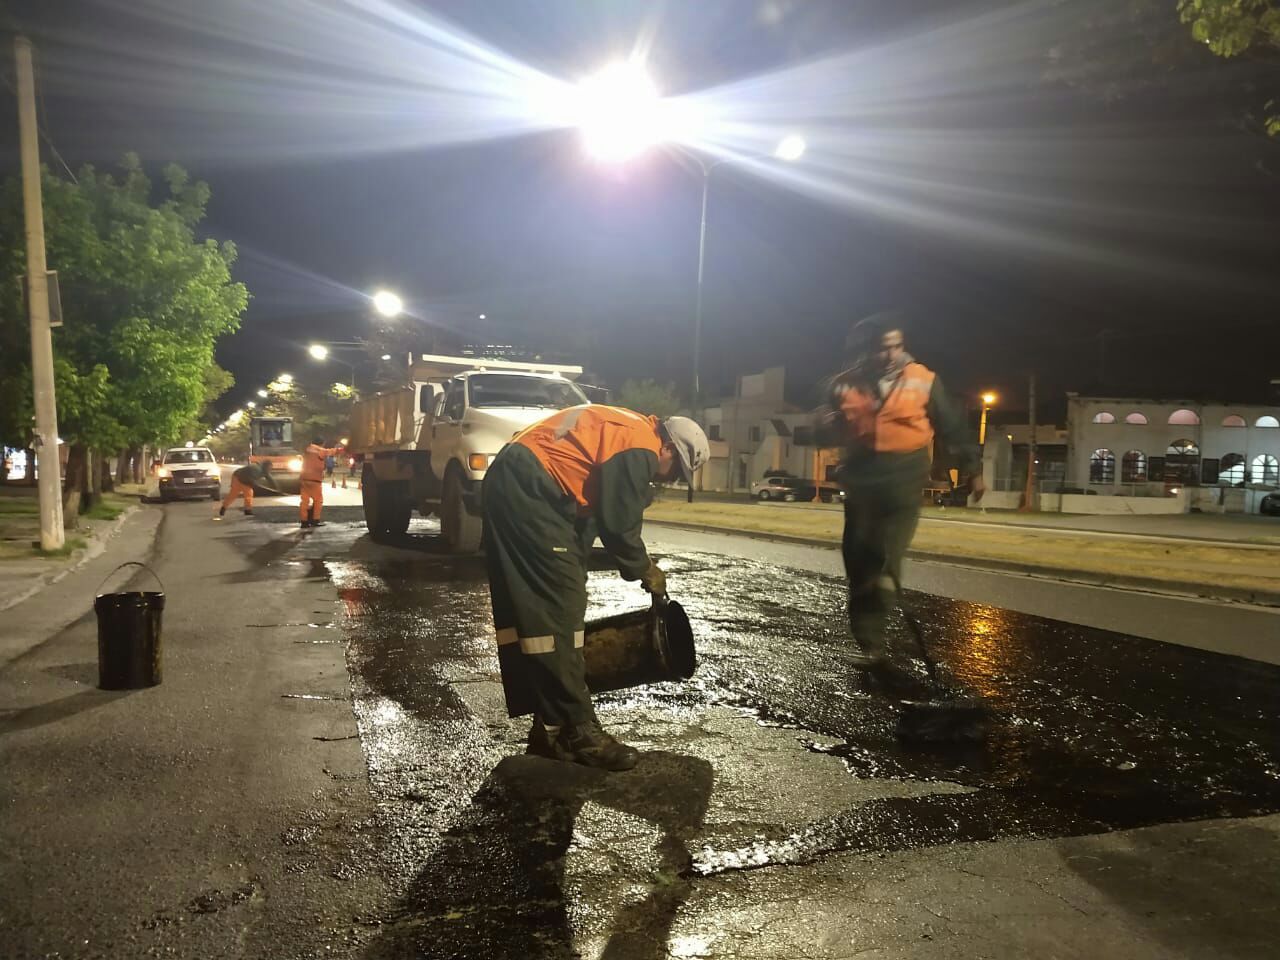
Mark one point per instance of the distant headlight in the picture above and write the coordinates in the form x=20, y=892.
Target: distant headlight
x=295, y=465
x=480, y=461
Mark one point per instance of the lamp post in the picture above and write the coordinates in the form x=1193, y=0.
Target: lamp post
x=988, y=401
x=322, y=352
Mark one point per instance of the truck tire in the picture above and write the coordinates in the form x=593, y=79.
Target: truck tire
x=386, y=505
x=460, y=529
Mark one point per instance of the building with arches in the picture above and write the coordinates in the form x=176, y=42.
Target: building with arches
x=1222, y=456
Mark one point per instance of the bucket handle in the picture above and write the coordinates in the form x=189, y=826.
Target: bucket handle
x=131, y=563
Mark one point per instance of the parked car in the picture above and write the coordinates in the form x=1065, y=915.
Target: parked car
x=830, y=493
x=1270, y=505
x=784, y=488
x=188, y=472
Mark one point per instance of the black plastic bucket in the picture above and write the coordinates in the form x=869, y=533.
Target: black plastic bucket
x=129, y=635
x=642, y=646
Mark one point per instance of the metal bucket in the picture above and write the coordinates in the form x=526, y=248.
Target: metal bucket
x=638, y=647
x=129, y=635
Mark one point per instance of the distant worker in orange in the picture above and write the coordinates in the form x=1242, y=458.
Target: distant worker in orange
x=312, y=500
x=242, y=483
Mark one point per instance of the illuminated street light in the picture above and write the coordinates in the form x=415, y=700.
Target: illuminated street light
x=263, y=394
x=319, y=351
x=322, y=353
x=619, y=112
x=386, y=356
x=387, y=303
x=790, y=148
x=250, y=404
x=482, y=316
x=285, y=378
x=988, y=401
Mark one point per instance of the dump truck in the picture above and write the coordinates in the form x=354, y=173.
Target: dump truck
x=425, y=446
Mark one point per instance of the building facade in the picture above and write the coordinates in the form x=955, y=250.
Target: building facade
x=1227, y=455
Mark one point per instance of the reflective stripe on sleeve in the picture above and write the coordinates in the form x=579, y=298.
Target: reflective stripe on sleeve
x=507, y=635
x=579, y=637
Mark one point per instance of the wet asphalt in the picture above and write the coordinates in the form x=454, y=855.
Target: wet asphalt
x=1091, y=732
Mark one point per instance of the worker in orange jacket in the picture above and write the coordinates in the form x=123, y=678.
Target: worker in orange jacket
x=311, y=501
x=885, y=410
x=578, y=474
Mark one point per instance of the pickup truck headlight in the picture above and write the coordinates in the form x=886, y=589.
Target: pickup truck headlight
x=295, y=465
x=162, y=471
x=213, y=471
x=480, y=461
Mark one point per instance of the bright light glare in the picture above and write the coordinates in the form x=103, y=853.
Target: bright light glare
x=387, y=303
x=285, y=378
x=790, y=148
x=386, y=356
x=619, y=112
x=250, y=404
x=988, y=398
x=263, y=394
x=319, y=351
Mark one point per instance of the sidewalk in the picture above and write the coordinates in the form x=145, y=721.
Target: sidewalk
x=1217, y=557
x=24, y=569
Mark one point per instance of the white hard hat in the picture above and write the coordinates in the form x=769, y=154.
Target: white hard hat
x=690, y=443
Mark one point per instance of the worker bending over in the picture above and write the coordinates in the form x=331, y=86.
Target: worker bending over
x=580, y=472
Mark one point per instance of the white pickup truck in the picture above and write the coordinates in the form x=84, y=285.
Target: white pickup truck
x=426, y=446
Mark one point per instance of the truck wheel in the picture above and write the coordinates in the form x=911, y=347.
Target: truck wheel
x=460, y=529
x=386, y=506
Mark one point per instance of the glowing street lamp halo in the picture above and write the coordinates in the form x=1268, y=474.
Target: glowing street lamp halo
x=318, y=351
x=989, y=398
x=619, y=112
x=791, y=148
x=387, y=303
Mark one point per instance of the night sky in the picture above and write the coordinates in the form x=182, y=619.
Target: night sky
x=1110, y=223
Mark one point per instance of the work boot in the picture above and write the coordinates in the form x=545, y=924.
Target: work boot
x=587, y=744
x=248, y=512
x=898, y=683
x=304, y=524
x=222, y=512
x=544, y=742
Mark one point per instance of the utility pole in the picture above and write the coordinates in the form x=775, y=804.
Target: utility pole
x=48, y=468
x=1031, y=497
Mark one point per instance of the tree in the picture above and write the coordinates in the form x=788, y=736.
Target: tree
x=1233, y=28
x=144, y=301
x=649, y=397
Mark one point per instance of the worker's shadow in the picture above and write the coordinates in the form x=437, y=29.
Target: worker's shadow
x=496, y=887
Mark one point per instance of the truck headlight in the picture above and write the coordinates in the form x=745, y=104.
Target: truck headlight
x=213, y=471
x=162, y=471
x=480, y=461
x=295, y=465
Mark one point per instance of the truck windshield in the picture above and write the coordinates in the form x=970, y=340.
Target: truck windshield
x=505, y=390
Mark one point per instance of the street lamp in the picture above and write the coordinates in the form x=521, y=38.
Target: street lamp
x=387, y=303
x=321, y=352
x=988, y=401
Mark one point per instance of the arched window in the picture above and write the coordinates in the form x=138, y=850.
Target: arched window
x=1138, y=419
x=1104, y=417
x=1233, y=421
x=1266, y=469
x=1231, y=470
x=1102, y=467
x=1266, y=422
x=1183, y=448
x=1182, y=462
x=1184, y=418
x=1133, y=467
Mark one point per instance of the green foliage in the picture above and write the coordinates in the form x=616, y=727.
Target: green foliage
x=649, y=397
x=1232, y=27
x=144, y=301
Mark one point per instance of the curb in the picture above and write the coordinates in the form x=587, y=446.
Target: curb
x=96, y=547
x=1173, y=588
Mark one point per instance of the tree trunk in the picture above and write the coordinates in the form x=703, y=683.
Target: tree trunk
x=140, y=465
x=92, y=487
x=30, y=480
x=106, y=479
x=73, y=485
x=124, y=471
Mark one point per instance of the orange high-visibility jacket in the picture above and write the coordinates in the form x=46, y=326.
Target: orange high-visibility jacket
x=897, y=424
x=572, y=443
x=313, y=461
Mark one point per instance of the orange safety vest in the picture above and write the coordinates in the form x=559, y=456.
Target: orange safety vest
x=313, y=461
x=899, y=423
x=570, y=444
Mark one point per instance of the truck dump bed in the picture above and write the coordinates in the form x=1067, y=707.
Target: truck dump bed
x=385, y=421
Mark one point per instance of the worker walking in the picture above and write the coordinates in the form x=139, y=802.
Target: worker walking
x=580, y=472
x=311, y=487
x=885, y=411
x=243, y=481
